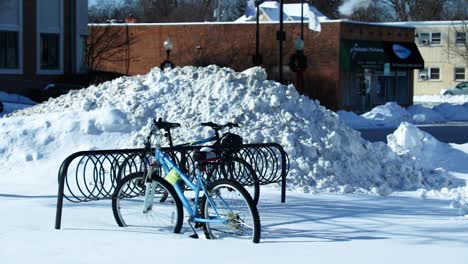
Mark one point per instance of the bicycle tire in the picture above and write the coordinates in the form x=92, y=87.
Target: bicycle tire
x=127, y=202
x=238, y=169
x=234, y=203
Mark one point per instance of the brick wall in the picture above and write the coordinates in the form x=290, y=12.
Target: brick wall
x=232, y=45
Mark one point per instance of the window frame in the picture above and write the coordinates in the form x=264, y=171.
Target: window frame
x=429, y=72
x=55, y=30
x=429, y=37
x=19, y=29
x=455, y=74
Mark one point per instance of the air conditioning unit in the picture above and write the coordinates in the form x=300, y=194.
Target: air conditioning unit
x=424, y=42
x=422, y=76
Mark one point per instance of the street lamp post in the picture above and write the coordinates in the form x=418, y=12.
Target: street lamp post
x=302, y=19
x=257, y=58
x=280, y=36
x=168, y=47
x=298, y=63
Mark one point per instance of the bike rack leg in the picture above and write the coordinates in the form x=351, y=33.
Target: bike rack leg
x=58, y=214
x=283, y=178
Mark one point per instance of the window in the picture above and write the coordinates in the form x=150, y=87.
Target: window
x=11, y=28
x=460, y=38
x=429, y=74
x=435, y=39
x=426, y=39
x=50, y=36
x=50, y=51
x=459, y=74
x=434, y=73
x=9, y=58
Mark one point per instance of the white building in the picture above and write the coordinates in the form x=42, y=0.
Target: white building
x=440, y=44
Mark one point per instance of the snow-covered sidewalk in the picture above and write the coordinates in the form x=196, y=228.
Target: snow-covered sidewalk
x=326, y=228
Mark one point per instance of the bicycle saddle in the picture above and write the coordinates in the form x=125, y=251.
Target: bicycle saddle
x=165, y=125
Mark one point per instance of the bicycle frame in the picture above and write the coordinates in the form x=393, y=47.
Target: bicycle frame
x=167, y=164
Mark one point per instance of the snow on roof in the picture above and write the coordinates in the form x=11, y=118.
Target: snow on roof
x=427, y=23
x=291, y=12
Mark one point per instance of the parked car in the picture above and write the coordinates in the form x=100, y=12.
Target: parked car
x=459, y=89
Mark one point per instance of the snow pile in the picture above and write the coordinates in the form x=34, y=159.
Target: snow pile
x=13, y=102
x=391, y=115
x=431, y=153
x=452, y=112
x=15, y=98
x=325, y=154
x=408, y=139
x=452, y=99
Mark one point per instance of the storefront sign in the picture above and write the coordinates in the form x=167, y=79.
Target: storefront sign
x=379, y=54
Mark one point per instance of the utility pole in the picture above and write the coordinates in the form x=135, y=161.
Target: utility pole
x=281, y=36
x=218, y=14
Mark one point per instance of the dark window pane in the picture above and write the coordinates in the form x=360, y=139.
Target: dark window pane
x=459, y=73
x=9, y=50
x=50, y=51
x=436, y=37
x=460, y=38
x=435, y=73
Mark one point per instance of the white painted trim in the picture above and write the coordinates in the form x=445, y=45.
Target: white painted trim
x=18, y=28
x=53, y=30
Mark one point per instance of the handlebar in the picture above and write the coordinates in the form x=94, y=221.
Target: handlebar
x=167, y=126
x=219, y=127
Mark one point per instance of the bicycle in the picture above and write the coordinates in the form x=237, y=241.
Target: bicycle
x=149, y=200
x=229, y=165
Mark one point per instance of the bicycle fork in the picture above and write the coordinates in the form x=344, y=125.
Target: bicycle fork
x=150, y=189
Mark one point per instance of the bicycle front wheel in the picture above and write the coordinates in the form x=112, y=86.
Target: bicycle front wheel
x=165, y=213
x=229, y=202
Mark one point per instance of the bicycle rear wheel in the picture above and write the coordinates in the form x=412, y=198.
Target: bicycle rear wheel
x=165, y=213
x=228, y=200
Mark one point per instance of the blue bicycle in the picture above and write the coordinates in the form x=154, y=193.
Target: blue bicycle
x=222, y=208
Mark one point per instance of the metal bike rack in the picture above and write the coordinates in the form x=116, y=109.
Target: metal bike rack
x=93, y=175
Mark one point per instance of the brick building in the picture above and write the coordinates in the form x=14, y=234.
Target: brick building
x=41, y=42
x=344, y=59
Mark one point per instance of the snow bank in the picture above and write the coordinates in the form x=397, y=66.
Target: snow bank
x=325, y=154
x=391, y=115
x=9, y=97
x=431, y=153
x=452, y=99
x=408, y=139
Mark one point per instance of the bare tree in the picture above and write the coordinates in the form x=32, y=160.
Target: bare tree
x=328, y=7
x=108, y=44
x=459, y=49
x=413, y=10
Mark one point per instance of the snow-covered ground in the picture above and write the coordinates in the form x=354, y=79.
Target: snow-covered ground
x=348, y=199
